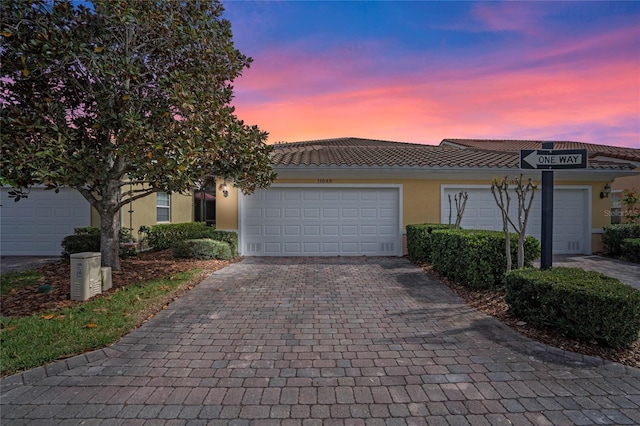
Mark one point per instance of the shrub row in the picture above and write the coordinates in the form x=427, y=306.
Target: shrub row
x=167, y=235
x=419, y=240
x=88, y=239
x=582, y=304
x=614, y=236
x=204, y=248
x=631, y=249
x=163, y=236
x=476, y=258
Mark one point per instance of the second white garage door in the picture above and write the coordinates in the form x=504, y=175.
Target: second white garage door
x=571, y=217
x=321, y=221
x=35, y=226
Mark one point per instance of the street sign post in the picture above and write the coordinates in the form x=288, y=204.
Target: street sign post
x=553, y=159
x=548, y=159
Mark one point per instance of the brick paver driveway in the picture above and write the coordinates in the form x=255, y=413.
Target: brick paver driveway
x=324, y=341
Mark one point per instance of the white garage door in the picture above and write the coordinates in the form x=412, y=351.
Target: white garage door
x=35, y=226
x=571, y=231
x=325, y=221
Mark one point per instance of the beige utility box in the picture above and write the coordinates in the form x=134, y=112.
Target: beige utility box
x=86, y=279
x=105, y=273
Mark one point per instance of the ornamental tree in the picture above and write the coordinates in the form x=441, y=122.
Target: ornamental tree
x=525, y=192
x=123, y=91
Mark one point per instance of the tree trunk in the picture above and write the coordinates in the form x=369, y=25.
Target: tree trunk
x=110, y=227
x=521, y=239
x=507, y=243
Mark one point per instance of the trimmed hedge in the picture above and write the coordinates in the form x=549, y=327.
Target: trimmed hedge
x=476, y=258
x=419, y=240
x=614, y=236
x=228, y=237
x=88, y=239
x=582, y=304
x=164, y=236
x=631, y=249
x=203, y=248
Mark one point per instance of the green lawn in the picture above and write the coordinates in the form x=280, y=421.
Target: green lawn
x=40, y=339
x=17, y=280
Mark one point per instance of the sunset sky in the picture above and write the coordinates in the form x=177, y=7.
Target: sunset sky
x=426, y=71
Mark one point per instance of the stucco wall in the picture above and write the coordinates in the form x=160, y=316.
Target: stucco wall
x=144, y=212
x=421, y=199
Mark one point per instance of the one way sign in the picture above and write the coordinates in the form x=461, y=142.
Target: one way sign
x=555, y=159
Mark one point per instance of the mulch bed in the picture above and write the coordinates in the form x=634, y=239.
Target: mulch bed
x=146, y=266
x=492, y=302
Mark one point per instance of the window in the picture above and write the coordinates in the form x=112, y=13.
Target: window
x=616, y=206
x=163, y=207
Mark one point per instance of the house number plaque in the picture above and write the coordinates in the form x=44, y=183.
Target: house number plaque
x=325, y=180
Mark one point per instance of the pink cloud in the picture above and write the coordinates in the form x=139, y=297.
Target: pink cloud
x=561, y=92
x=510, y=16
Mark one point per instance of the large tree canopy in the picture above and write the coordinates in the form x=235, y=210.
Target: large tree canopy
x=123, y=90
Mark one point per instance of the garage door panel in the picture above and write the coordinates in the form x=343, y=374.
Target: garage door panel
x=254, y=213
x=328, y=221
x=292, y=196
x=330, y=213
x=253, y=230
x=311, y=230
x=310, y=195
x=331, y=248
x=387, y=230
x=350, y=248
x=349, y=230
x=330, y=196
x=272, y=213
x=292, y=213
x=349, y=196
x=272, y=196
x=292, y=230
x=311, y=213
x=349, y=213
x=330, y=230
x=311, y=248
x=368, y=213
x=271, y=230
x=370, y=196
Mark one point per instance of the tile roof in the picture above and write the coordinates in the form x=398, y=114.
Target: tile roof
x=595, y=150
x=371, y=152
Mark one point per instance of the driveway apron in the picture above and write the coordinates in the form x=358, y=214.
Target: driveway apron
x=311, y=341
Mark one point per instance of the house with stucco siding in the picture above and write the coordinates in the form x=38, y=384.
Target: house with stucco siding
x=354, y=197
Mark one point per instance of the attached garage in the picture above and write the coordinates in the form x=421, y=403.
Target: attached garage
x=35, y=226
x=571, y=214
x=354, y=197
x=304, y=220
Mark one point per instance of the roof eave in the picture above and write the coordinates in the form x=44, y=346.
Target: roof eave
x=445, y=172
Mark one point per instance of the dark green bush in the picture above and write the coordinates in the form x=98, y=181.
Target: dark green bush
x=88, y=239
x=80, y=243
x=203, y=248
x=631, y=249
x=163, y=236
x=166, y=235
x=228, y=237
x=476, y=258
x=419, y=240
x=581, y=304
x=614, y=236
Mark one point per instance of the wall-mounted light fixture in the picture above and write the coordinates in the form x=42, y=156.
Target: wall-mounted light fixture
x=606, y=191
x=225, y=190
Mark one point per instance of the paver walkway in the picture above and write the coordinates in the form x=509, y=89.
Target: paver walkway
x=331, y=341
